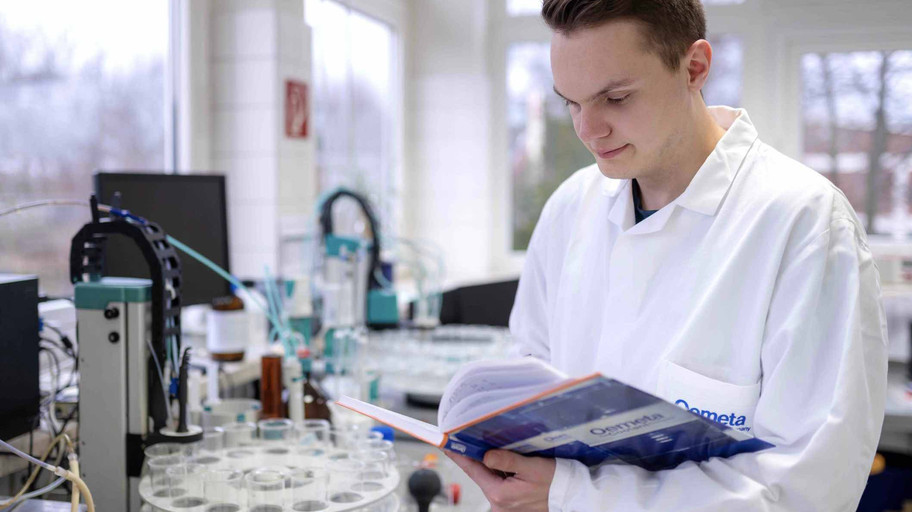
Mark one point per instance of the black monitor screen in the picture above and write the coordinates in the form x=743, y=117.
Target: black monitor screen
x=190, y=208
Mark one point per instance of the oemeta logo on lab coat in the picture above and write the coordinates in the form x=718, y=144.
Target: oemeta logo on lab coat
x=731, y=419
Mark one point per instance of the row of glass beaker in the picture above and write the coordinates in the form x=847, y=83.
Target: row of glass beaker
x=305, y=433
x=270, y=488
x=318, y=464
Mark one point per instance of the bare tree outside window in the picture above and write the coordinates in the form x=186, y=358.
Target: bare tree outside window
x=69, y=109
x=858, y=131
x=544, y=149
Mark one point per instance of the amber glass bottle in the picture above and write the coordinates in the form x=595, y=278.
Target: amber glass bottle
x=315, y=403
x=271, y=387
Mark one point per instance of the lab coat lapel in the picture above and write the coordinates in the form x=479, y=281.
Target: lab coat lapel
x=582, y=281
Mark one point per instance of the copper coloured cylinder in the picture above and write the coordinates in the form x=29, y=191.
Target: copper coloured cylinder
x=271, y=387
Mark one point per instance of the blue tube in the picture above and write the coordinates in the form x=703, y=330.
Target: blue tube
x=202, y=259
x=225, y=275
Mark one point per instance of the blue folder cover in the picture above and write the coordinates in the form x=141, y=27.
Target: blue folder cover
x=597, y=419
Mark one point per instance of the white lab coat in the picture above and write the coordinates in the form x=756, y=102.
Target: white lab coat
x=751, y=295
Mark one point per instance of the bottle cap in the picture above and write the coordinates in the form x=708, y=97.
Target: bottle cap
x=386, y=431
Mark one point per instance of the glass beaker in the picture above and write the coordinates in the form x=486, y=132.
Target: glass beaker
x=309, y=489
x=239, y=434
x=266, y=490
x=224, y=490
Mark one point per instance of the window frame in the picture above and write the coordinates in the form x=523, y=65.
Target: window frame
x=393, y=13
x=505, y=31
x=849, y=42
x=48, y=282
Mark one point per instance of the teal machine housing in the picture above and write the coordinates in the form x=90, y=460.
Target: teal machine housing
x=376, y=302
x=126, y=329
x=381, y=303
x=113, y=328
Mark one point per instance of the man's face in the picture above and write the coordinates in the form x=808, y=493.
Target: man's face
x=627, y=107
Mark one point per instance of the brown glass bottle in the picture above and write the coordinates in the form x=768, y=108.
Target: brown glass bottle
x=315, y=403
x=271, y=387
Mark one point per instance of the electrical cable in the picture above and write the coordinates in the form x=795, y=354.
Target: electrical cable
x=74, y=498
x=66, y=346
x=26, y=456
x=66, y=421
x=40, y=492
x=59, y=471
x=43, y=202
x=56, y=373
x=87, y=495
x=55, y=426
x=64, y=339
x=56, y=344
x=52, y=398
x=160, y=377
x=31, y=445
x=61, y=440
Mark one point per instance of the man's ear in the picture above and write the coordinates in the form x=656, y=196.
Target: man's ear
x=697, y=61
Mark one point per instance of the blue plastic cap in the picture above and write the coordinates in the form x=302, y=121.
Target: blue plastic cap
x=386, y=431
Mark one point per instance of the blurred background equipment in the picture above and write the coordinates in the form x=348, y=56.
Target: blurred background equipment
x=19, y=395
x=189, y=207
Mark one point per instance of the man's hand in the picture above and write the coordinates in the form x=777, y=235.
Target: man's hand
x=524, y=487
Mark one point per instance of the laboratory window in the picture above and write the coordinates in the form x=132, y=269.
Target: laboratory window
x=857, y=131
x=354, y=104
x=79, y=93
x=723, y=87
x=523, y=7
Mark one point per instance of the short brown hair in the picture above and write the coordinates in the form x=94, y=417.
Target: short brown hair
x=670, y=26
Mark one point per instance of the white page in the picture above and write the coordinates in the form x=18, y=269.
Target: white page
x=416, y=428
x=486, y=402
x=482, y=376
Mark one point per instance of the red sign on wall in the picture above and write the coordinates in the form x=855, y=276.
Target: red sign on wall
x=296, y=109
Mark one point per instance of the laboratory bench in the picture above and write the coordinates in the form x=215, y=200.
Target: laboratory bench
x=896, y=436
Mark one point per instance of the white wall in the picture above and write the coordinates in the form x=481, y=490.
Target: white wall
x=241, y=52
x=448, y=179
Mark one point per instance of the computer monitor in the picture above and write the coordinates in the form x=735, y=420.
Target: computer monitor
x=190, y=208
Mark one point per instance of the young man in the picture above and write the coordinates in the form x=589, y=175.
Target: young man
x=695, y=262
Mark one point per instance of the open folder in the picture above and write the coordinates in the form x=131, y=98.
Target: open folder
x=528, y=407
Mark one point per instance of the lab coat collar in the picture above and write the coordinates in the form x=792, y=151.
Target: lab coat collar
x=621, y=213
x=709, y=185
x=712, y=181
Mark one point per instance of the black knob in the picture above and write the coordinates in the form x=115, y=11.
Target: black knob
x=113, y=337
x=424, y=485
x=111, y=313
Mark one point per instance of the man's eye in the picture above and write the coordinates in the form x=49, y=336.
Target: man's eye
x=617, y=101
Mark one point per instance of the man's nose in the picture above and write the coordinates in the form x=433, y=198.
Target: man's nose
x=592, y=125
